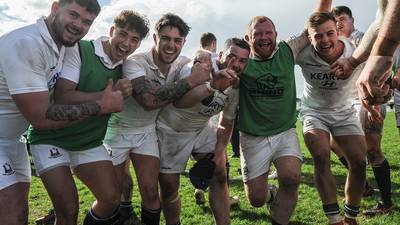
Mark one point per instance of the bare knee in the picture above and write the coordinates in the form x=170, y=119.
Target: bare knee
x=289, y=182
x=257, y=199
x=149, y=193
x=110, y=197
x=375, y=156
x=219, y=177
x=358, y=165
x=256, y=194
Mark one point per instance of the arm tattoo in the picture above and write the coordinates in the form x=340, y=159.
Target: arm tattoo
x=148, y=91
x=72, y=112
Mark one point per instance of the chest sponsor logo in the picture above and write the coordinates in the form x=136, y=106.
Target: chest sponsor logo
x=54, y=153
x=267, y=86
x=326, y=81
x=216, y=105
x=7, y=169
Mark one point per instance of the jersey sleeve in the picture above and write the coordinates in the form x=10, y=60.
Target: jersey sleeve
x=72, y=64
x=298, y=43
x=185, y=71
x=229, y=112
x=24, y=67
x=133, y=69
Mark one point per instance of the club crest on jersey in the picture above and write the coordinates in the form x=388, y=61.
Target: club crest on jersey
x=8, y=170
x=267, y=86
x=54, y=153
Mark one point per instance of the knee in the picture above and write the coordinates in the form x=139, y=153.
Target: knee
x=375, y=156
x=322, y=161
x=257, y=200
x=170, y=197
x=358, y=165
x=110, y=197
x=219, y=177
x=289, y=182
x=150, y=193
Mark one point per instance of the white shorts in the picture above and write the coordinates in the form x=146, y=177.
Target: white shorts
x=121, y=145
x=258, y=152
x=48, y=157
x=176, y=147
x=337, y=124
x=14, y=163
x=397, y=106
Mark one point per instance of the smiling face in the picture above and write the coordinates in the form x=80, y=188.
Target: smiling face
x=262, y=39
x=70, y=23
x=123, y=42
x=345, y=25
x=234, y=58
x=324, y=38
x=168, y=44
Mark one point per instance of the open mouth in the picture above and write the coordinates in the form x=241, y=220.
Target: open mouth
x=72, y=30
x=122, y=50
x=264, y=44
x=326, y=48
x=169, y=52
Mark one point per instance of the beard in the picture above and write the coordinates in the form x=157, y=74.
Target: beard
x=59, y=30
x=167, y=60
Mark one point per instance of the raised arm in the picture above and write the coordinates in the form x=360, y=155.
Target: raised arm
x=221, y=80
x=371, y=84
x=323, y=6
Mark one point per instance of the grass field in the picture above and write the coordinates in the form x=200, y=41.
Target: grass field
x=308, y=210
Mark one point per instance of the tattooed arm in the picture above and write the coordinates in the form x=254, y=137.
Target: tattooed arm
x=35, y=108
x=72, y=112
x=152, y=95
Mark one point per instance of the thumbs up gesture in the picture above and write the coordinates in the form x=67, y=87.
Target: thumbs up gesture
x=111, y=101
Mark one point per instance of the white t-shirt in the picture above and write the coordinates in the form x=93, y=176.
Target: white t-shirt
x=71, y=68
x=356, y=37
x=197, y=117
x=29, y=62
x=134, y=119
x=322, y=90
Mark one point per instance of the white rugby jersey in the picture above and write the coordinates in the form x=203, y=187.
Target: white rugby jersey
x=322, y=90
x=197, y=117
x=355, y=37
x=30, y=61
x=134, y=119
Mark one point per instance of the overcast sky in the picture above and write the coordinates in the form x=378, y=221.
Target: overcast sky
x=224, y=18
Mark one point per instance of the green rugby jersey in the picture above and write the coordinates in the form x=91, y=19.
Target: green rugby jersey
x=267, y=103
x=94, y=76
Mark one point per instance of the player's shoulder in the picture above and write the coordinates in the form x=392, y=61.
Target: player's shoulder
x=24, y=37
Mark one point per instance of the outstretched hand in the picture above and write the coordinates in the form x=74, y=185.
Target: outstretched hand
x=371, y=85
